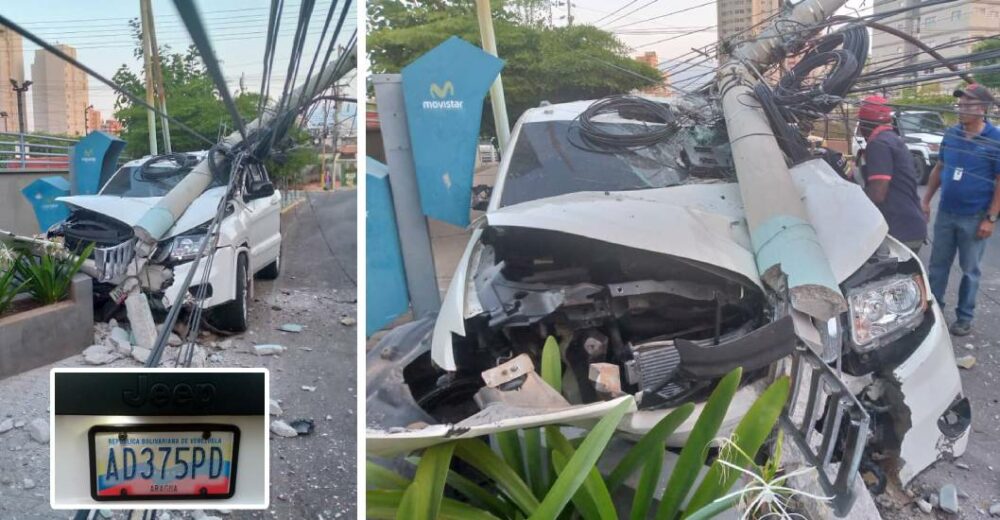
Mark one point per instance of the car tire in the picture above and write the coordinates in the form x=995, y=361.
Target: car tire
x=272, y=270
x=921, y=170
x=233, y=316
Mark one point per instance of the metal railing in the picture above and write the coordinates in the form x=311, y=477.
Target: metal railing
x=31, y=151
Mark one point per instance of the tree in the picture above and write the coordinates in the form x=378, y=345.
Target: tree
x=990, y=79
x=555, y=64
x=191, y=98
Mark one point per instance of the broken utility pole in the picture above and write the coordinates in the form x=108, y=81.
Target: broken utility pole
x=787, y=250
x=147, y=60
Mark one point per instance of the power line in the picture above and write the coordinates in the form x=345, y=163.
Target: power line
x=630, y=13
x=672, y=13
x=612, y=13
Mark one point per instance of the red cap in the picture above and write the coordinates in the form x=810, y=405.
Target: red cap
x=875, y=109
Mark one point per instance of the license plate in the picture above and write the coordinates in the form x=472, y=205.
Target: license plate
x=163, y=461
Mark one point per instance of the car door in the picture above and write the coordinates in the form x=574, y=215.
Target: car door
x=264, y=216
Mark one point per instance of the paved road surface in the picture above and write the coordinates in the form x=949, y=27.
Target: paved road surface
x=312, y=476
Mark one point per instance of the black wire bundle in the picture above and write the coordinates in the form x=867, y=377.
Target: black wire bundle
x=628, y=107
x=847, y=62
x=789, y=138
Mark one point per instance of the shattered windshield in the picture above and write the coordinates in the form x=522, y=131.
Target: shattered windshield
x=921, y=123
x=550, y=158
x=153, y=181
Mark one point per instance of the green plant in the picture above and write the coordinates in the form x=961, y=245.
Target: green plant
x=521, y=485
x=10, y=285
x=48, y=275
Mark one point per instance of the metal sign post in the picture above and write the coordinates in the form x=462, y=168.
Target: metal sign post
x=414, y=235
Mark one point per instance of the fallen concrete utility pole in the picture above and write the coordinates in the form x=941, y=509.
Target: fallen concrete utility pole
x=788, y=253
x=158, y=220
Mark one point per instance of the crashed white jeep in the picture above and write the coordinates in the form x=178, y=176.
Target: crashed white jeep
x=249, y=236
x=641, y=259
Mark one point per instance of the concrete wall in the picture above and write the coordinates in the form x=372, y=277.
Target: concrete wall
x=16, y=213
x=35, y=338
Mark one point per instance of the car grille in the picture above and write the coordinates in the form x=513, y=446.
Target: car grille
x=112, y=262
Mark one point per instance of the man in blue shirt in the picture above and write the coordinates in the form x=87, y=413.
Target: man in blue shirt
x=966, y=172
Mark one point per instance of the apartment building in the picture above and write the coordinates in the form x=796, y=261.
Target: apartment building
x=59, y=94
x=11, y=67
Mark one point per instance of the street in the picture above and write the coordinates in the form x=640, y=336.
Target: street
x=312, y=476
x=977, y=473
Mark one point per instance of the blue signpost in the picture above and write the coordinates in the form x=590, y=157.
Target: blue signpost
x=94, y=160
x=42, y=195
x=385, y=281
x=444, y=91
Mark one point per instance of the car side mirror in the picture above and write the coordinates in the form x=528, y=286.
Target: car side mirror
x=259, y=190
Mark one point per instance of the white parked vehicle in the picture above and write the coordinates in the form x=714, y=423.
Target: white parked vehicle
x=641, y=258
x=922, y=132
x=249, y=239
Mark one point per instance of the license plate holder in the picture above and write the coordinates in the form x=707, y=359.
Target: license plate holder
x=139, y=461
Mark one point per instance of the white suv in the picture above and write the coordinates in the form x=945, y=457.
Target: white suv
x=249, y=240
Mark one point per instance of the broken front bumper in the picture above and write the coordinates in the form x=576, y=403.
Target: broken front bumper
x=221, y=279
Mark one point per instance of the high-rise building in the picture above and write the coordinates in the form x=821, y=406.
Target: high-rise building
x=93, y=119
x=655, y=89
x=112, y=126
x=742, y=19
x=11, y=67
x=59, y=94
x=951, y=28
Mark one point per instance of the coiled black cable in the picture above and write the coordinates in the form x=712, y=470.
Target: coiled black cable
x=605, y=137
x=846, y=63
x=789, y=138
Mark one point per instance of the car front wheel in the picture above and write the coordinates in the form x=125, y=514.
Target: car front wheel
x=920, y=168
x=233, y=316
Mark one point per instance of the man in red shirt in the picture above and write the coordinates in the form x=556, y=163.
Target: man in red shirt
x=888, y=174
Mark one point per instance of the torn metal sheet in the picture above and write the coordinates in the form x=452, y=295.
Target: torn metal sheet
x=496, y=419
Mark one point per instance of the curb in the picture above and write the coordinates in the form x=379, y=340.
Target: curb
x=292, y=205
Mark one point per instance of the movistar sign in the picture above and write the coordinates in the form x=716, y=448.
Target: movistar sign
x=444, y=91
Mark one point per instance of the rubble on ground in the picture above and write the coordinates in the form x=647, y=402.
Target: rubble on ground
x=283, y=429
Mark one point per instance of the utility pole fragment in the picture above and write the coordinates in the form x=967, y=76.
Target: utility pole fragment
x=158, y=78
x=147, y=58
x=788, y=253
x=497, y=101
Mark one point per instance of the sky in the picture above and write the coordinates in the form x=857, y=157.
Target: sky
x=645, y=22
x=238, y=29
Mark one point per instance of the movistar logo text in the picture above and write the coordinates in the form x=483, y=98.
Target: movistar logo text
x=445, y=90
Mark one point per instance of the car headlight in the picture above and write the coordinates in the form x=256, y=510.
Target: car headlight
x=882, y=307
x=184, y=248
x=934, y=147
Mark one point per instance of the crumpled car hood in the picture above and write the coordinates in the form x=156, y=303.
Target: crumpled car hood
x=128, y=210
x=700, y=222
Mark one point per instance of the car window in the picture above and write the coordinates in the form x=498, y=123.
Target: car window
x=154, y=181
x=921, y=122
x=550, y=158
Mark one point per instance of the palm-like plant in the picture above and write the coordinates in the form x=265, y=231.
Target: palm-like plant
x=48, y=275
x=568, y=479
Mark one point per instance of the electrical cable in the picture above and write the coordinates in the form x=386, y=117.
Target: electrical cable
x=629, y=107
x=273, y=22
x=117, y=88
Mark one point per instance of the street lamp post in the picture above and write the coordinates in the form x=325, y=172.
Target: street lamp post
x=21, y=120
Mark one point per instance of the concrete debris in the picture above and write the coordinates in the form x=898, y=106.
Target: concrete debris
x=969, y=346
x=199, y=358
x=309, y=388
x=948, y=498
x=29, y=484
x=174, y=340
x=962, y=465
x=283, y=429
x=966, y=362
x=19, y=424
x=348, y=321
x=123, y=348
x=225, y=344
x=291, y=327
x=39, y=430
x=215, y=358
x=120, y=334
x=140, y=318
x=99, y=355
x=924, y=505
x=6, y=425
x=268, y=350
x=329, y=417
x=274, y=408
x=141, y=354
x=303, y=426
x=995, y=509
